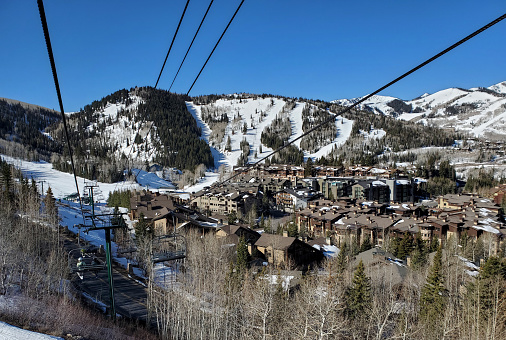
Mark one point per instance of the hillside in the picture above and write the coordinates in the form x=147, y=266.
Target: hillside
x=141, y=126
x=262, y=124
x=129, y=129
x=23, y=125
x=481, y=112
x=244, y=128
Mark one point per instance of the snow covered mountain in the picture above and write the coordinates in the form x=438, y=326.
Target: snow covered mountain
x=479, y=111
x=141, y=126
x=235, y=119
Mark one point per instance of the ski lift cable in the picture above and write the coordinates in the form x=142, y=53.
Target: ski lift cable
x=58, y=92
x=347, y=109
x=157, y=80
x=209, y=57
x=191, y=44
x=173, y=38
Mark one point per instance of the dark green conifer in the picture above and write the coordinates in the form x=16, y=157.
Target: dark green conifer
x=142, y=227
x=50, y=205
x=359, y=294
x=341, y=259
x=420, y=253
x=242, y=256
x=366, y=245
x=432, y=301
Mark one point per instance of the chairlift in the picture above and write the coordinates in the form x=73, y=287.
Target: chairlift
x=168, y=248
x=85, y=259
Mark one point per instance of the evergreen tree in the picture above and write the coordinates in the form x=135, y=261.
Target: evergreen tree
x=341, y=259
x=268, y=226
x=7, y=183
x=292, y=229
x=242, y=256
x=309, y=168
x=262, y=222
x=232, y=217
x=142, y=228
x=50, y=205
x=138, y=139
x=228, y=147
x=359, y=294
x=366, y=245
x=420, y=253
x=491, y=286
x=432, y=301
x=405, y=246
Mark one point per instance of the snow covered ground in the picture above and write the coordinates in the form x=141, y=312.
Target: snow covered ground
x=63, y=184
x=256, y=115
x=478, y=111
x=9, y=332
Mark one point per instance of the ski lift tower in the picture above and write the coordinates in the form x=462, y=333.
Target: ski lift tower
x=105, y=222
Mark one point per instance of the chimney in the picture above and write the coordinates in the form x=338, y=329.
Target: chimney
x=149, y=205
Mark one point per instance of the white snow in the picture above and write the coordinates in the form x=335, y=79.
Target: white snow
x=63, y=184
x=377, y=102
x=122, y=131
x=259, y=113
x=344, y=127
x=469, y=263
x=485, y=225
x=438, y=98
x=373, y=134
x=499, y=88
x=378, y=183
x=9, y=332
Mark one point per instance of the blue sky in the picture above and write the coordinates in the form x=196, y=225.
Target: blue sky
x=312, y=49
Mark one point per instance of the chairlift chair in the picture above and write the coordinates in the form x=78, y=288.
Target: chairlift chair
x=85, y=259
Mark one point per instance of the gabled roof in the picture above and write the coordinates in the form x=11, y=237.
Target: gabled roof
x=275, y=241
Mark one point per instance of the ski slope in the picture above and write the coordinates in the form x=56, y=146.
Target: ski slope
x=257, y=114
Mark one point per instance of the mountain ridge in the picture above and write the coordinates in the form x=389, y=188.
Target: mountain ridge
x=479, y=111
x=141, y=126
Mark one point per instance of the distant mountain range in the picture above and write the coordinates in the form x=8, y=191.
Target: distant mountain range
x=479, y=111
x=142, y=125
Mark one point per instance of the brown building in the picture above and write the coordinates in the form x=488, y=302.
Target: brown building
x=287, y=252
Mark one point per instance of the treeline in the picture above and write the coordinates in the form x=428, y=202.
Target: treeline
x=181, y=146
x=25, y=126
x=245, y=151
x=484, y=179
x=119, y=198
x=398, y=137
x=278, y=133
x=289, y=155
x=217, y=119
